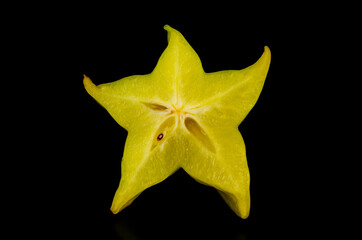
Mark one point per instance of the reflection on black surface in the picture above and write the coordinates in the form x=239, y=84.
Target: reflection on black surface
x=123, y=231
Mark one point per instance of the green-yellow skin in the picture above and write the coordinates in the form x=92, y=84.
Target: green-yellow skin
x=178, y=116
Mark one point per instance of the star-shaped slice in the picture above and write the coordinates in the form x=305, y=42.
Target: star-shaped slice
x=178, y=116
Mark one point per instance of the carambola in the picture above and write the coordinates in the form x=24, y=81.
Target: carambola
x=178, y=116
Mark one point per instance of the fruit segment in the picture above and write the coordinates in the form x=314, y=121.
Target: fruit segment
x=195, y=129
x=156, y=107
x=178, y=116
x=163, y=132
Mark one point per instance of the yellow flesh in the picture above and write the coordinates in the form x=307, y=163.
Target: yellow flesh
x=197, y=114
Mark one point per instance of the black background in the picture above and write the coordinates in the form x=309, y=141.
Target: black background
x=80, y=155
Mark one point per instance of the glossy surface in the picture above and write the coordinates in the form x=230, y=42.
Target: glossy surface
x=196, y=113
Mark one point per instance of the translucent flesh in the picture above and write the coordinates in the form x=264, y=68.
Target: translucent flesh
x=197, y=114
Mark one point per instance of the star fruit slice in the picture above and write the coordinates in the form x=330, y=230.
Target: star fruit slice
x=178, y=116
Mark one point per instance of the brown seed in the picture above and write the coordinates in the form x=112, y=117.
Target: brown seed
x=160, y=137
